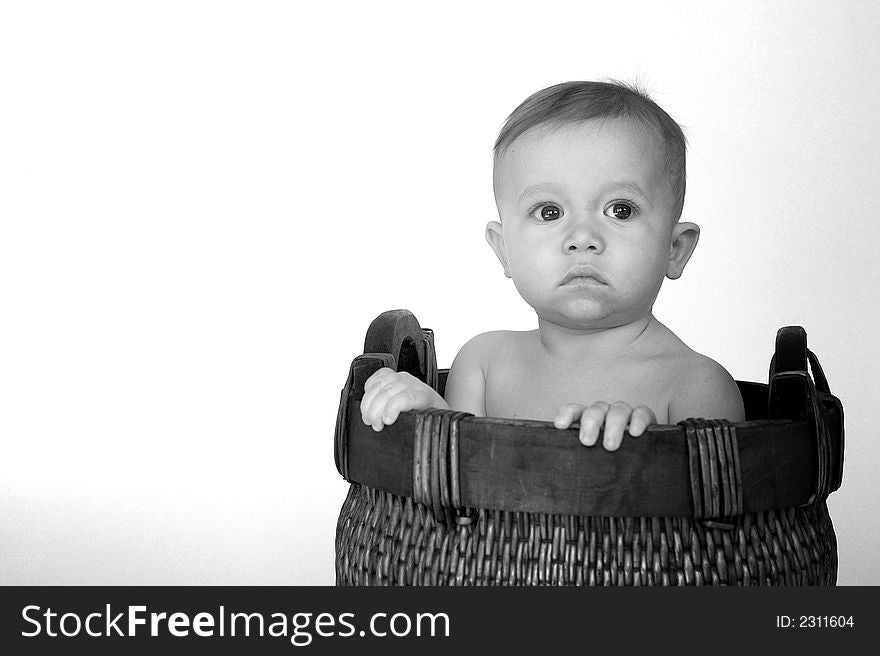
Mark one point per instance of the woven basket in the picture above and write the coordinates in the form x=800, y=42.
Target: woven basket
x=445, y=498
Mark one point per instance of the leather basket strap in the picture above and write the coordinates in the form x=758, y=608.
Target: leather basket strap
x=530, y=466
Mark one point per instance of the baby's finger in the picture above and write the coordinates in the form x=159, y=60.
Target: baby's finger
x=642, y=417
x=615, y=423
x=372, y=387
x=379, y=377
x=591, y=422
x=401, y=401
x=373, y=412
x=567, y=414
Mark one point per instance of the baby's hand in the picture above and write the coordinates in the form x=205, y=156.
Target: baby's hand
x=387, y=393
x=615, y=418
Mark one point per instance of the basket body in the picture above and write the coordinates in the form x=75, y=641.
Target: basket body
x=444, y=498
x=385, y=539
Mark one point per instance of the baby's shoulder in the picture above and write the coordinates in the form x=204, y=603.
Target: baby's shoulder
x=681, y=360
x=702, y=387
x=696, y=369
x=494, y=344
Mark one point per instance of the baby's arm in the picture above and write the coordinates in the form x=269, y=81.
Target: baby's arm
x=466, y=383
x=707, y=391
x=387, y=393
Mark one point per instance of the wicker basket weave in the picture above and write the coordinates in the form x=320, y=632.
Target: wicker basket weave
x=385, y=539
x=725, y=534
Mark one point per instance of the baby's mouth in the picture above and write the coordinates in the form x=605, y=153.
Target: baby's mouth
x=583, y=282
x=583, y=276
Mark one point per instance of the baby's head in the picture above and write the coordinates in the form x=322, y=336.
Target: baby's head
x=573, y=103
x=589, y=181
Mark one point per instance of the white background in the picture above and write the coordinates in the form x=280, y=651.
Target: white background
x=204, y=205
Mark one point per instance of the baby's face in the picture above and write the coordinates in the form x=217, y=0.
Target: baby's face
x=587, y=217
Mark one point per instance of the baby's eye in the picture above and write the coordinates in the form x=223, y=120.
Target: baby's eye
x=547, y=212
x=620, y=211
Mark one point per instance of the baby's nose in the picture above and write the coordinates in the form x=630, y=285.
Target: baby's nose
x=584, y=236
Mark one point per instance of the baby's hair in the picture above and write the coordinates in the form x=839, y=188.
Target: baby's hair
x=577, y=102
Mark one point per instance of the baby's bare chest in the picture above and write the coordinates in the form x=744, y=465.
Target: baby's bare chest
x=532, y=388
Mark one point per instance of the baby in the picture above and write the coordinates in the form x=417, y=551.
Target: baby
x=589, y=183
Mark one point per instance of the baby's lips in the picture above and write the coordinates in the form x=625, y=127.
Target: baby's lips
x=585, y=272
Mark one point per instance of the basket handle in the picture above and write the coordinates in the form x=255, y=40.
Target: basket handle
x=794, y=395
x=398, y=333
x=788, y=372
x=394, y=340
x=791, y=359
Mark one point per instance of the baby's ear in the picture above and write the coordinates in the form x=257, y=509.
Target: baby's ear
x=495, y=237
x=684, y=240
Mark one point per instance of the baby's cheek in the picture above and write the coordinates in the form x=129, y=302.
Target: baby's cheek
x=527, y=288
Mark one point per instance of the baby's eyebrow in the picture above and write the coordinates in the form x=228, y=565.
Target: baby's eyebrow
x=541, y=186
x=628, y=185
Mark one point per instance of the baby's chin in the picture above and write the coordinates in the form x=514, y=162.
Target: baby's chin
x=583, y=315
